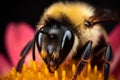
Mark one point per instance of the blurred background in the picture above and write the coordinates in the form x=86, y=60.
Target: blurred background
x=29, y=11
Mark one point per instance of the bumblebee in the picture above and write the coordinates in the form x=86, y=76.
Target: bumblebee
x=71, y=31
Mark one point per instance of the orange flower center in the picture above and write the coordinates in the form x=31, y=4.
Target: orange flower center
x=40, y=72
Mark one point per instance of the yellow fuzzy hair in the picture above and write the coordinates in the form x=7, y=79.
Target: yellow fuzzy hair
x=76, y=11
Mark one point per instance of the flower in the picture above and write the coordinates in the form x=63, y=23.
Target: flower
x=38, y=72
x=114, y=38
x=4, y=67
x=18, y=34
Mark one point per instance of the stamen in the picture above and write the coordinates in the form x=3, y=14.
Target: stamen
x=95, y=69
x=73, y=68
x=63, y=75
x=89, y=68
x=56, y=75
x=40, y=72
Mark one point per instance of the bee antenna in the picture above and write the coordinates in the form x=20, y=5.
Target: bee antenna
x=44, y=33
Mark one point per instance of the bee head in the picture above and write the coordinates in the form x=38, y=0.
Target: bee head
x=54, y=44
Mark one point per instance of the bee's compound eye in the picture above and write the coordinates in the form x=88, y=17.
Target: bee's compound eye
x=88, y=24
x=39, y=36
x=67, y=41
x=39, y=41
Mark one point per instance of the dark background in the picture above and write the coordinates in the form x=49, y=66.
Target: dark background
x=30, y=11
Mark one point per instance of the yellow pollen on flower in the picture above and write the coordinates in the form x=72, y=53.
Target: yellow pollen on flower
x=56, y=75
x=40, y=72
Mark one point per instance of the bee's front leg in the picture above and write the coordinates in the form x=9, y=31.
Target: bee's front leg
x=107, y=58
x=23, y=55
x=84, y=59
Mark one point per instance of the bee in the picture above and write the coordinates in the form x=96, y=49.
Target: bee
x=71, y=31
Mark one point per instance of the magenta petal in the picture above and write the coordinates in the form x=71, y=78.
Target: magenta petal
x=114, y=38
x=17, y=35
x=4, y=65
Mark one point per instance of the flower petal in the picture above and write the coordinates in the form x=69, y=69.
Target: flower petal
x=5, y=66
x=17, y=35
x=114, y=38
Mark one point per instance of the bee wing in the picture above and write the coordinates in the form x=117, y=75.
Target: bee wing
x=105, y=15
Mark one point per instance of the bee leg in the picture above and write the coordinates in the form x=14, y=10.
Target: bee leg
x=107, y=58
x=33, y=50
x=23, y=55
x=84, y=59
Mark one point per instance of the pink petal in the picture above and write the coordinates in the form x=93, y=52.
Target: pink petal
x=17, y=35
x=5, y=66
x=114, y=38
